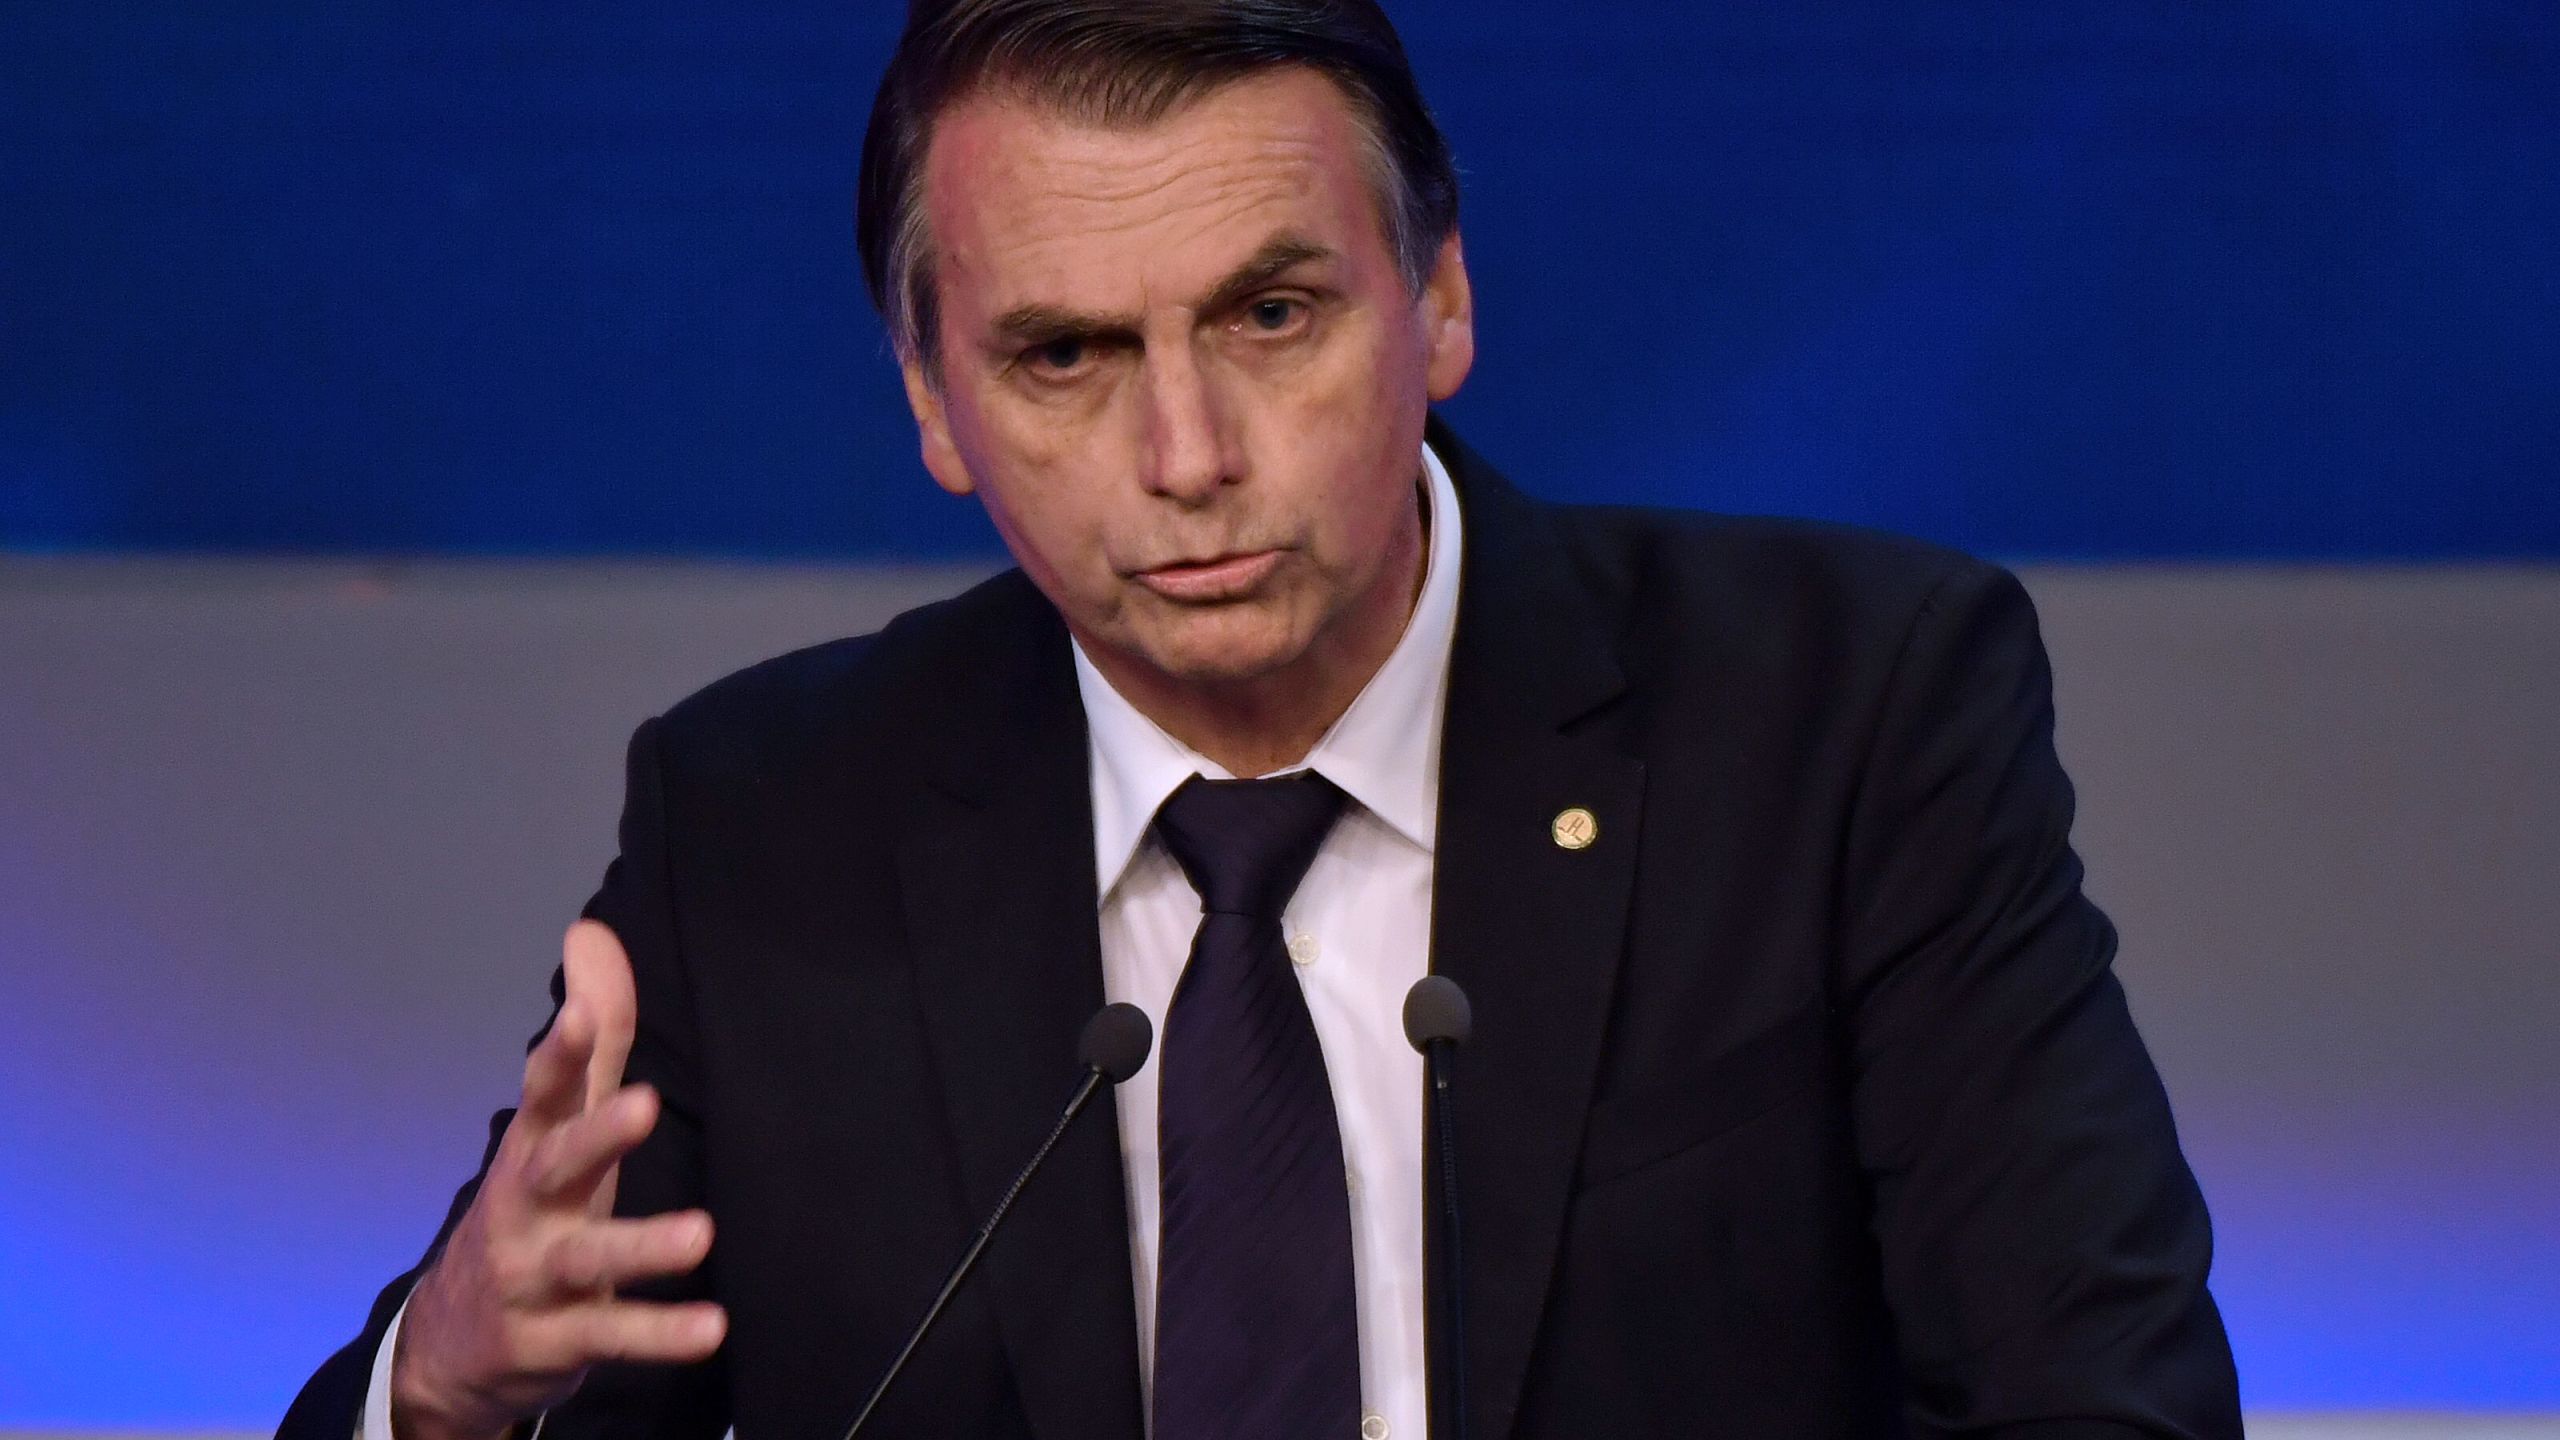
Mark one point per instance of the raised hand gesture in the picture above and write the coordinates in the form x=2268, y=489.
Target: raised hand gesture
x=521, y=1300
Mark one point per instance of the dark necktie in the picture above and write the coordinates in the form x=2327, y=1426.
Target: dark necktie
x=1257, y=1325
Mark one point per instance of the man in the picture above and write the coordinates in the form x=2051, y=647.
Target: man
x=1801, y=1100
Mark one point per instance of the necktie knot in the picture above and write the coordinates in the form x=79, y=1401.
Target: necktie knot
x=1245, y=844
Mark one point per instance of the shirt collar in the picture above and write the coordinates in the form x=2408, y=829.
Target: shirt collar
x=1384, y=751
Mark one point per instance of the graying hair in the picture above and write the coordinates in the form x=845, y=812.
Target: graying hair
x=1129, y=63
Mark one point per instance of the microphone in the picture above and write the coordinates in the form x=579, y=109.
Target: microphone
x=1113, y=1047
x=1437, y=1020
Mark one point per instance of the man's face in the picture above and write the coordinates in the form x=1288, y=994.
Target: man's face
x=1182, y=371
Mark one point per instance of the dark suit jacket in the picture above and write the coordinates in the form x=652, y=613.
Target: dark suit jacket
x=1803, y=1103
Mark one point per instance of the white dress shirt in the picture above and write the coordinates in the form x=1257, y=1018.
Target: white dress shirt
x=1359, y=930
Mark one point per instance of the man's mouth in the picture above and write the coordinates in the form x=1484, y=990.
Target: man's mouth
x=1206, y=582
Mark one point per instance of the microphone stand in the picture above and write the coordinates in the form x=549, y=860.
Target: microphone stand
x=1437, y=1019
x=1115, y=1044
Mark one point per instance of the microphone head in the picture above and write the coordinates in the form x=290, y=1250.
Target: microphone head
x=1436, y=1010
x=1116, y=1041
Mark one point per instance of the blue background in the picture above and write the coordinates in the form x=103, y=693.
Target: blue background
x=2052, y=281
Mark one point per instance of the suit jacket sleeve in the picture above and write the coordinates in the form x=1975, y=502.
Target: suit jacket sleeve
x=664, y=1173
x=2044, y=1245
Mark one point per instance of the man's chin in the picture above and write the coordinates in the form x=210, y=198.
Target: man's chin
x=1217, y=651
x=1223, y=667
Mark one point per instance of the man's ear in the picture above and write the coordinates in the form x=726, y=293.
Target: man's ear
x=1449, y=320
x=933, y=430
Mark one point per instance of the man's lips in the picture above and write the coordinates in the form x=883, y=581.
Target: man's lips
x=1200, y=582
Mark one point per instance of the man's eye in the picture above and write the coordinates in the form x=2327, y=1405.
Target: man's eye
x=1065, y=354
x=1272, y=315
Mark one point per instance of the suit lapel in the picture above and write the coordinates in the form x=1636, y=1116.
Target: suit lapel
x=998, y=879
x=1529, y=925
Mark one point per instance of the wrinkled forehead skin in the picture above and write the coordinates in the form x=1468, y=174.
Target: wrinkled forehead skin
x=1029, y=206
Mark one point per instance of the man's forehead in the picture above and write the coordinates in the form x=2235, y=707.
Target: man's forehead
x=1028, y=204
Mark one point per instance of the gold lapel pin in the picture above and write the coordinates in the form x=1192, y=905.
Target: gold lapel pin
x=1575, y=829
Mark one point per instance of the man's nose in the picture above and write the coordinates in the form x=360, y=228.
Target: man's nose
x=1188, y=449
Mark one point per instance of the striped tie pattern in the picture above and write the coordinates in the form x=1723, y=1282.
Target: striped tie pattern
x=1257, y=1330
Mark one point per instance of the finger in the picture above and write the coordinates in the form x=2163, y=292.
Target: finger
x=554, y=1072
x=602, y=1255
x=632, y=1331
x=597, y=973
x=571, y=1162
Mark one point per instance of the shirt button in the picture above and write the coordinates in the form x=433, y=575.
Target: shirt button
x=1373, y=1426
x=1302, y=949
x=1351, y=1179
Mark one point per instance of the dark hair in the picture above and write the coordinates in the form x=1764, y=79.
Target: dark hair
x=1131, y=62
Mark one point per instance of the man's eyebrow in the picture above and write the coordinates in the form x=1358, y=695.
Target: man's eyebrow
x=1278, y=256
x=1028, y=325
